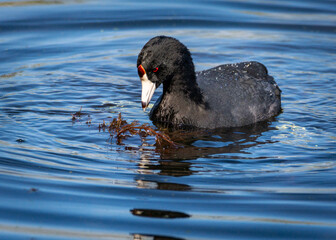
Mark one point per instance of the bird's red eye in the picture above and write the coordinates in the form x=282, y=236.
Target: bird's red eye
x=155, y=69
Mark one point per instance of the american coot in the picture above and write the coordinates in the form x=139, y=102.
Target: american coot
x=230, y=95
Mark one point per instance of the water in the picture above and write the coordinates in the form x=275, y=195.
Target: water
x=64, y=179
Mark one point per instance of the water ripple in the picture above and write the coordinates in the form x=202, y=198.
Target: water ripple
x=63, y=178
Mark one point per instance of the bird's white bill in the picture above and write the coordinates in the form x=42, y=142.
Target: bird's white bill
x=148, y=89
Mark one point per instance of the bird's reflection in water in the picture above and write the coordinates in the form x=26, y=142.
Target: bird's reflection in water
x=205, y=143
x=179, y=162
x=148, y=168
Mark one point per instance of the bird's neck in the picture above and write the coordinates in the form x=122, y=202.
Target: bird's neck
x=183, y=83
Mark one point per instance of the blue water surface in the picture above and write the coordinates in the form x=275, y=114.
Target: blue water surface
x=67, y=179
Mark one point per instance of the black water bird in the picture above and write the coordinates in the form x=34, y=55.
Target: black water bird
x=229, y=95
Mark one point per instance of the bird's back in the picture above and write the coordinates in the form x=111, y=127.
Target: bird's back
x=239, y=94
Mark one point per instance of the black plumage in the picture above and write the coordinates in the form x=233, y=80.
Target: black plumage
x=229, y=95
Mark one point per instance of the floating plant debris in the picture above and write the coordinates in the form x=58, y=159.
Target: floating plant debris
x=33, y=190
x=121, y=129
x=88, y=122
x=77, y=114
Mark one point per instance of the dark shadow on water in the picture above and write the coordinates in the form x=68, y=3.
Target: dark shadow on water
x=158, y=213
x=153, y=237
x=163, y=214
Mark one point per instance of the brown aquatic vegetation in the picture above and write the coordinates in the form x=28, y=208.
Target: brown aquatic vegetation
x=121, y=129
x=77, y=114
x=33, y=189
